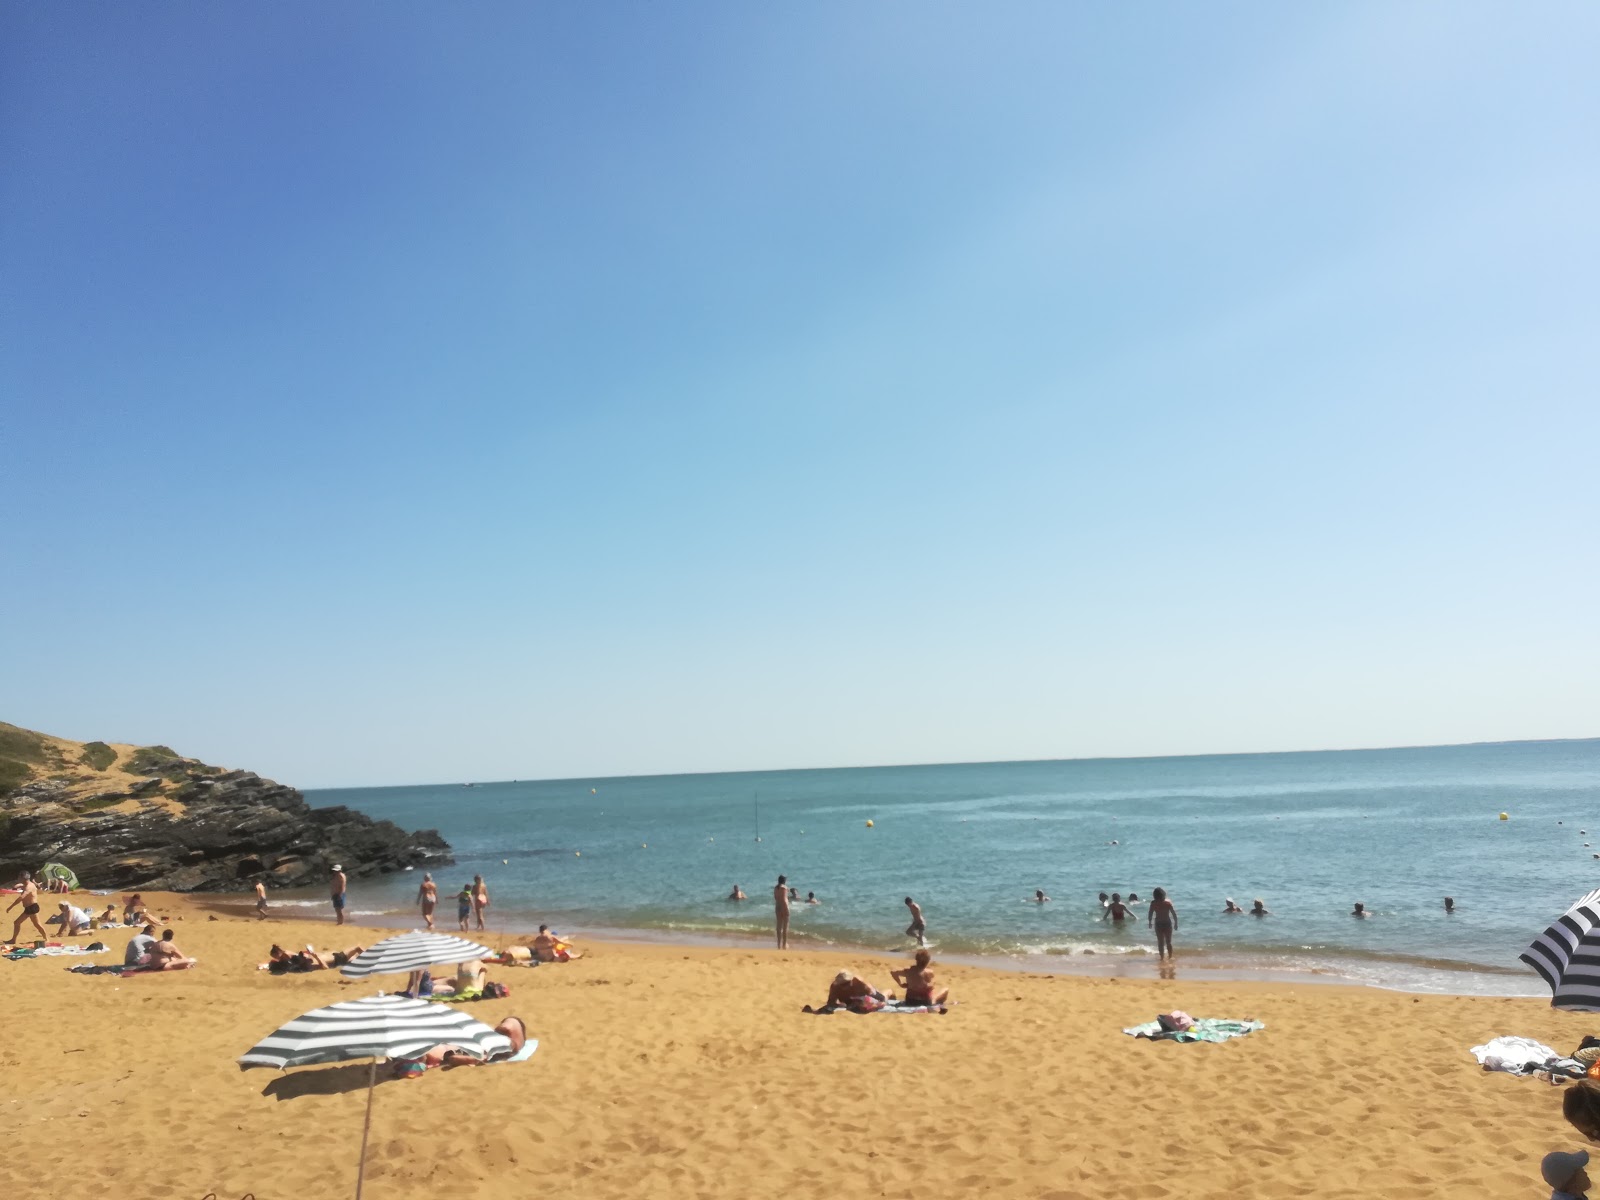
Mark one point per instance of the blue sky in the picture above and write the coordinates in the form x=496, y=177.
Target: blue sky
x=408, y=392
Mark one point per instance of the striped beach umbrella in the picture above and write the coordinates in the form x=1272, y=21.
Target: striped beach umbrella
x=407, y=952
x=1567, y=955
x=372, y=1027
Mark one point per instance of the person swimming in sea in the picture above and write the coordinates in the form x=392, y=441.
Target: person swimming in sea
x=1258, y=909
x=1039, y=897
x=1230, y=909
x=1360, y=910
x=811, y=898
x=1116, y=911
x=737, y=893
x=1449, y=904
x=1104, y=900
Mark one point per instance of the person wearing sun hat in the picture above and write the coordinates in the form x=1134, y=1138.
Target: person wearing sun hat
x=336, y=886
x=1564, y=1172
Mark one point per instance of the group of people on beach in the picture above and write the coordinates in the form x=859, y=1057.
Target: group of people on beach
x=471, y=901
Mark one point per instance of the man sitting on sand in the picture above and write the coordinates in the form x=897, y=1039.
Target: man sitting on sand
x=448, y=1054
x=851, y=992
x=139, y=946
x=547, y=947
x=165, y=955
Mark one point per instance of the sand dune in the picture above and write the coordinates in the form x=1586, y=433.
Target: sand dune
x=691, y=1072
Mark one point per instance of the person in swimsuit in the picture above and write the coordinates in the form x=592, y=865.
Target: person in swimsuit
x=1360, y=910
x=917, y=980
x=480, y=898
x=428, y=898
x=851, y=992
x=336, y=887
x=548, y=947
x=29, y=900
x=780, y=910
x=165, y=955
x=448, y=1054
x=1039, y=897
x=811, y=898
x=1163, y=917
x=1258, y=909
x=464, y=906
x=74, y=920
x=737, y=893
x=1116, y=911
x=1104, y=900
x=1450, y=904
x=918, y=927
x=261, y=899
x=1230, y=909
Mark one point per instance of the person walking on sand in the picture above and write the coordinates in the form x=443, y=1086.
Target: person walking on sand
x=29, y=899
x=336, y=886
x=918, y=927
x=428, y=898
x=480, y=898
x=780, y=906
x=261, y=899
x=1163, y=917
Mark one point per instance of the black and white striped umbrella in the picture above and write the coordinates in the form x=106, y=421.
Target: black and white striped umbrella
x=1568, y=956
x=407, y=952
x=373, y=1027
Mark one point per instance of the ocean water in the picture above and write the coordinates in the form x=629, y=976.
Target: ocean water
x=1310, y=833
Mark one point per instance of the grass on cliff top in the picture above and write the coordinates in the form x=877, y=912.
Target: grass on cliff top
x=152, y=760
x=21, y=750
x=98, y=755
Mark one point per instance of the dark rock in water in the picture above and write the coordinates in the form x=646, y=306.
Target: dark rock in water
x=215, y=831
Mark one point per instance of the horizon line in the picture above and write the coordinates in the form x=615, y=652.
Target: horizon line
x=978, y=762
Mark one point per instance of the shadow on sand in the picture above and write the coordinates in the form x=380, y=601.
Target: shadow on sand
x=326, y=1081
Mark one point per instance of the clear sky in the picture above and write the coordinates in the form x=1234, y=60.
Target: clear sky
x=397, y=392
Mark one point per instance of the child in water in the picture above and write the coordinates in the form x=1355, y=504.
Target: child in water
x=1164, y=918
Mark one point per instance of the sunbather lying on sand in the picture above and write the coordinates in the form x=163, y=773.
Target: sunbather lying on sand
x=280, y=961
x=547, y=947
x=852, y=992
x=447, y=1054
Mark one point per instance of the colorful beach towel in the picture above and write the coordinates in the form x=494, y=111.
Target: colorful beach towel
x=53, y=951
x=1205, y=1029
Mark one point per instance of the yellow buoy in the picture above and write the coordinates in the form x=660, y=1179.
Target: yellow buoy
x=1505, y=816
x=869, y=824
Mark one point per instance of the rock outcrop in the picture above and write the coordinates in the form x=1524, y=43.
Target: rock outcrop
x=152, y=819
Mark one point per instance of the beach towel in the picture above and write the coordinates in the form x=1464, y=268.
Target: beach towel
x=54, y=951
x=1524, y=1056
x=1205, y=1029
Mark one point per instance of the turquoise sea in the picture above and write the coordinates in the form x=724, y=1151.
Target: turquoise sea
x=1310, y=833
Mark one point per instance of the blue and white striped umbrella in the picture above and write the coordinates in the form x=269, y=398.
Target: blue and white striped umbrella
x=1568, y=956
x=373, y=1027
x=407, y=952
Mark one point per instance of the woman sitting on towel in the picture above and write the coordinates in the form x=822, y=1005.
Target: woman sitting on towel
x=447, y=1054
x=918, y=983
x=852, y=992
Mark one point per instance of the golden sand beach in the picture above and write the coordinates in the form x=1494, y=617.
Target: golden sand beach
x=691, y=1072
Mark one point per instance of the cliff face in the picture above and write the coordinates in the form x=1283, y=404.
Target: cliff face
x=144, y=817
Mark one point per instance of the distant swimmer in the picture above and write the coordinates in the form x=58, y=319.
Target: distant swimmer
x=1259, y=909
x=794, y=895
x=1163, y=919
x=1039, y=897
x=1116, y=911
x=1449, y=904
x=1360, y=910
x=1230, y=909
x=1133, y=898
x=428, y=898
x=918, y=927
x=1104, y=900
x=737, y=893
x=811, y=898
x=780, y=904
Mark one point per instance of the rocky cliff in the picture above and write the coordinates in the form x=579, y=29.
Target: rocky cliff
x=145, y=817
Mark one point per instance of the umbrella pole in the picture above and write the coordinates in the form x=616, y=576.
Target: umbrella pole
x=366, y=1128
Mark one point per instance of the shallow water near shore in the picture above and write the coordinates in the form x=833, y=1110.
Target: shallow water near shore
x=1310, y=833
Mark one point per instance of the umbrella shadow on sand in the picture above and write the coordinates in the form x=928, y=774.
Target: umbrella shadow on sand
x=326, y=1081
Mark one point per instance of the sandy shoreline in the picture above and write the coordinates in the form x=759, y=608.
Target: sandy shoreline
x=676, y=1070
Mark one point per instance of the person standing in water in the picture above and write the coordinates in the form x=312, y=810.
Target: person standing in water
x=918, y=927
x=336, y=886
x=780, y=906
x=1116, y=911
x=464, y=906
x=480, y=898
x=1450, y=904
x=1163, y=917
x=428, y=898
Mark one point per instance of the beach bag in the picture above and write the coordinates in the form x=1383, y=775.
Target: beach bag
x=495, y=991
